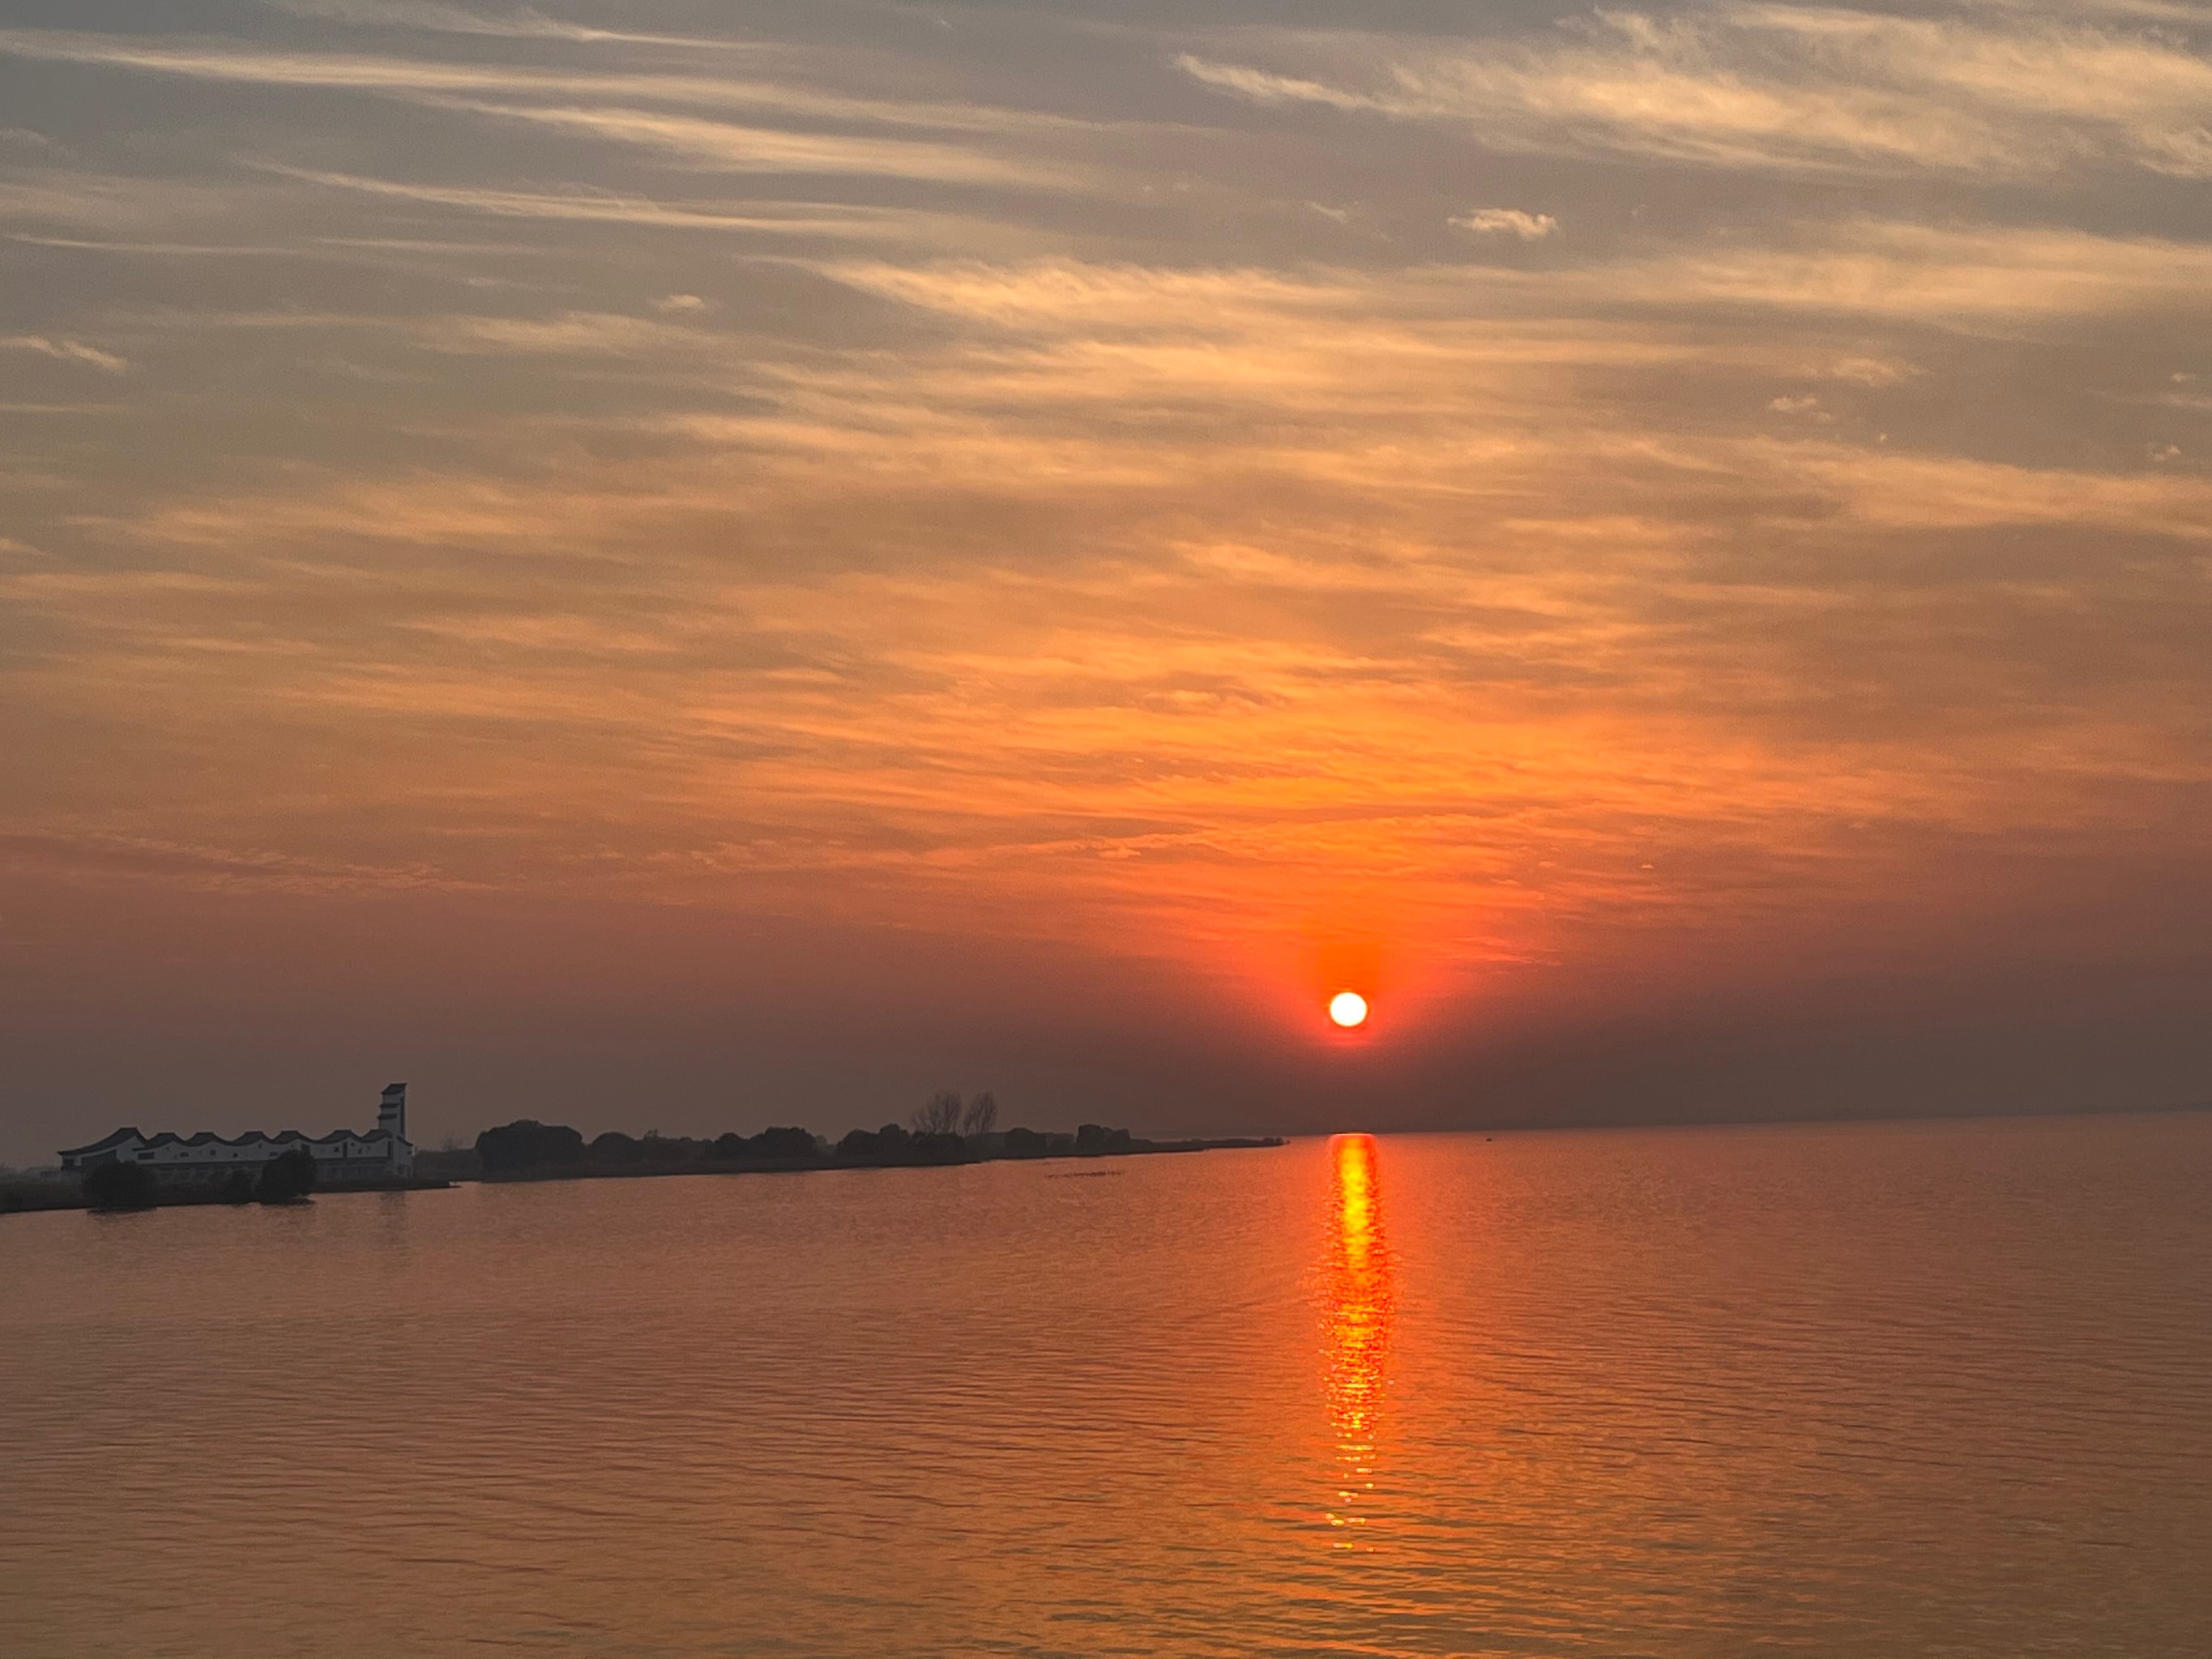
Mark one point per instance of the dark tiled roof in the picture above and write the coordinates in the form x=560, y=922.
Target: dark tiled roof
x=115, y=1140
x=209, y=1138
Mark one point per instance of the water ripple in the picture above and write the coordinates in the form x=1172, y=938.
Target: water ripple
x=1863, y=1391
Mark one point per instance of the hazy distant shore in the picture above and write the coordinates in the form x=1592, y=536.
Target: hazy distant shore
x=532, y=1152
x=529, y=1150
x=832, y=1161
x=945, y=1131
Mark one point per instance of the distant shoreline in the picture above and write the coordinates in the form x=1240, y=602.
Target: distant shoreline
x=948, y=1131
x=28, y=1196
x=810, y=1166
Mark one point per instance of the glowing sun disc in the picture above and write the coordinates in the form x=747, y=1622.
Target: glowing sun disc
x=1348, y=1009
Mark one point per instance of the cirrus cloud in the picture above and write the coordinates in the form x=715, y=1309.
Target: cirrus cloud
x=1764, y=88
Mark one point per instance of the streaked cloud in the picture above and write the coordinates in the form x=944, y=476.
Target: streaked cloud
x=730, y=147
x=1933, y=274
x=231, y=61
x=769, y=217
x=523, y=22
x=65, y=350
x=1777, y=87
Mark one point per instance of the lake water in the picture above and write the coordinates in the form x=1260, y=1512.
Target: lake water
x=1877, y=1390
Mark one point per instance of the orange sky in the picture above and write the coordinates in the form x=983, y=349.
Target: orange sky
x=666, y=579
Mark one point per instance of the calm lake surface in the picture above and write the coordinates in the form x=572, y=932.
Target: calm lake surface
x=1879, y=1390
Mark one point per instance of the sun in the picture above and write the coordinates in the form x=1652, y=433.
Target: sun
x=1348, y=1009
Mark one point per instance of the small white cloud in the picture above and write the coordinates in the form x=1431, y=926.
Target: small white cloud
x=1340, y=215
x=679, y=304
x=2165, y=451
x=1804, y=406
x=1866, y=371
x=66, y=351
x=1507, y=222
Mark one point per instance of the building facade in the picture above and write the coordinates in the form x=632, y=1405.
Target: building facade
x=343, y=1158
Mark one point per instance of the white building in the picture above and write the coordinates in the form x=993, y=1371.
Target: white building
x=341, y=1158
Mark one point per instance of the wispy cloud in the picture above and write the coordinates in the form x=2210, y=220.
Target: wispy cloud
x=520, y=22
x=1907, y=271
x=246, y=62
x=112, y=202
x=775, y=218
x=1887, y=268
x=1773, y=88
x=658, y=112
x=65, y=350
x=729, y=147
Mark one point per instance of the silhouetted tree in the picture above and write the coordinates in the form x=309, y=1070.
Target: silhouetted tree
x=789, y=1142
x=526, y=1143
x=1024, y=1143
x=118, y=1186
x=981, y=1116
x=616, y=1147
x=287, y=1176
x=239, y=1187
x=939, y=1114
x=1092, y=1138
x=890, y=1144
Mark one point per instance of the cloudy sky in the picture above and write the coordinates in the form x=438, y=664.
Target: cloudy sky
x=685, y=565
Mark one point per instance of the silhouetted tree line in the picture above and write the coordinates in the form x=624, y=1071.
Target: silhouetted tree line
x=530, y=1145
x=287, y=1176
x=943, y=1114
x=894, y=1144
x=653, y=1147
x=945, y=1129
x=769, y=1143
x=283, y=1179
x=526, y=1143
x=120, y=1186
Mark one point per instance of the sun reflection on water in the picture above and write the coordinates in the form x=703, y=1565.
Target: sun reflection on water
x=1359, y=1300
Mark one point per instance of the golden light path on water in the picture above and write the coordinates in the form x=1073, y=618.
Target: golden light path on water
x=1359, y=1298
